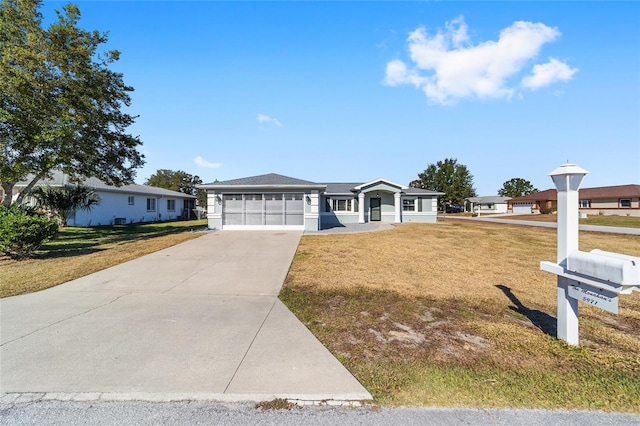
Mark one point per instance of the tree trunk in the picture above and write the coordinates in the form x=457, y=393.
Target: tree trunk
x=28, y=188
x=7, y=188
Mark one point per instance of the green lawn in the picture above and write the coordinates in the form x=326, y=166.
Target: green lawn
x=76, y=252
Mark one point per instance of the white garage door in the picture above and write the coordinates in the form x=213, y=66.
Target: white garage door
x=522, y=208
x=263, y=211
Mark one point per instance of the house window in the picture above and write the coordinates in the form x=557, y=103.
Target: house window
x=151, y=204
x=131, y=200
x=341, y=205
x=171, y=205
x=409, y=205
x=585, y=204
x=625, y=203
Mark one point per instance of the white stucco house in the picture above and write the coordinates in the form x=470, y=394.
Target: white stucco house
x=273, y=201
x=124, y=204
x=487, y=204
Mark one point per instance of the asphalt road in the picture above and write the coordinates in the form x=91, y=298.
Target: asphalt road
x=199, y=413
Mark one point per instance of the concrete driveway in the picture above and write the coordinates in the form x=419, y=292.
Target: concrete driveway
x=200, y=320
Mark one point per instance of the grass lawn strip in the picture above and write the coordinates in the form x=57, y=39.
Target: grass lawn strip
x=459, y=314
x=77, y=252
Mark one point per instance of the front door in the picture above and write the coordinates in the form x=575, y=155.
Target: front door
x=375, y=209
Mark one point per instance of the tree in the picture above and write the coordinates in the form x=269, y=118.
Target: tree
x=449, y=177
x=60, y=104
x=174, y=180
x=179, y=181
x=65, y=201
x=516, y=187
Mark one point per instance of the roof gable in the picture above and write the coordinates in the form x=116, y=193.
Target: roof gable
x=367, y=185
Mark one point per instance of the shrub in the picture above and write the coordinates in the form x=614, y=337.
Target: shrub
x=23, y=230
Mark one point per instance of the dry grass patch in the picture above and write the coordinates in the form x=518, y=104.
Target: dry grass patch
x=459, y=313
x=77, y=252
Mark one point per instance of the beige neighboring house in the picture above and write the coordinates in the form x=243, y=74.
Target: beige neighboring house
x=619, y=200
x=120, y=205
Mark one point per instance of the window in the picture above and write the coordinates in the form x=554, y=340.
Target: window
x=341, y=205
x=171, y=205
x=151, y=204
x=131, y=200
x=625, y=203
x=409, y=205
x=585, y=204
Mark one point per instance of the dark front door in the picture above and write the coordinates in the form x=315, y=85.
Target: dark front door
x=375, y=209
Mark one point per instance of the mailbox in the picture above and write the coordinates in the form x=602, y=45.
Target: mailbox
x=617, y=269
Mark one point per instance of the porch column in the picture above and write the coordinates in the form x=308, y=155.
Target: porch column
x=397, y=204
x=361, y=207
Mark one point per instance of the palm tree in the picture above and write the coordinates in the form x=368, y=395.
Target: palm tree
x=63, y=202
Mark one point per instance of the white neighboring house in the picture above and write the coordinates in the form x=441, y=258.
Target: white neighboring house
x=487, y=204
x=124, y=204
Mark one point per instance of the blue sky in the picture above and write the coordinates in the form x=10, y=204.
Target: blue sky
x=354, y=91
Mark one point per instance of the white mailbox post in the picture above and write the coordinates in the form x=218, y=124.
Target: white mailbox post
x=597, y=277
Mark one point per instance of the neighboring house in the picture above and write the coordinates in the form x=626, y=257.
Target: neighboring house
x=607, y=200
x=274, y=201
x=124, y=204
x=489, y=204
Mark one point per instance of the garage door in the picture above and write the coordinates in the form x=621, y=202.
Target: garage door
x=522, y=208
x=267, y=211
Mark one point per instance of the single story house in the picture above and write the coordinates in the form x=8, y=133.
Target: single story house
x=124, y=204
x=621, y=200
x=273, y=201
x=488, y=204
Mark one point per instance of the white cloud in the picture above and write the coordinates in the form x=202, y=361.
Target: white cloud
x=546, y=74
x=447, y=66
x=204, y=163
x=265, y=119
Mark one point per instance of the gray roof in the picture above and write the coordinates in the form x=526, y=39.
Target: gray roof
x=420, y=191
x=340, y=188
x=60, y=179
x=493, y=199
x=134, y=189
x=264, y=180
x=276, y=180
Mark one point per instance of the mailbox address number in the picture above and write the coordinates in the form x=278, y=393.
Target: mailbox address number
x=599, y=298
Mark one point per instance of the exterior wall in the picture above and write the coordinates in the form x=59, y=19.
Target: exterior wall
x=421, y=217
x=425, y=213
x=335, y=218
x=214, y=210
x=215, y=214
x=611, y=207
x=495, y=207
x=115, y=205
x=429, y=204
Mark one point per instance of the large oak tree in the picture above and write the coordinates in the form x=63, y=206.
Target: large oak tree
x=61, y=107
x=179, y=181
x=516, y=187
x=447, y=176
